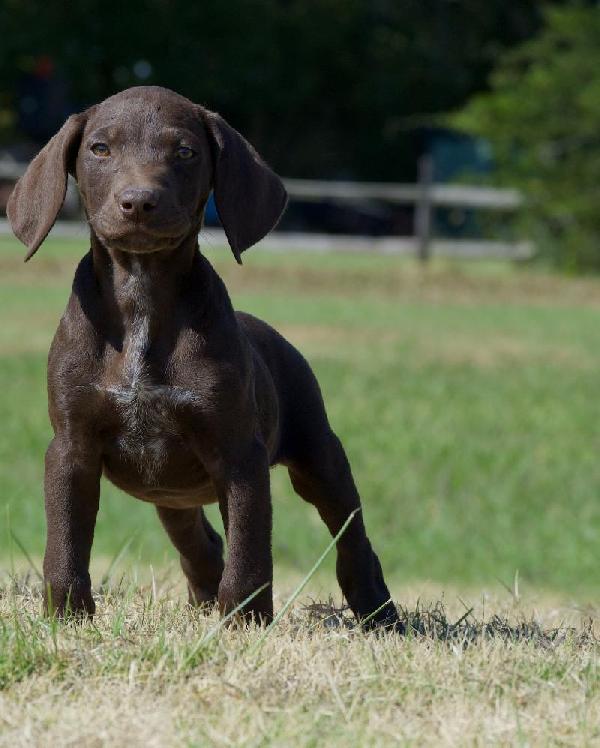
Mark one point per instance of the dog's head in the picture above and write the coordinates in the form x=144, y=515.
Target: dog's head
x=145, y=161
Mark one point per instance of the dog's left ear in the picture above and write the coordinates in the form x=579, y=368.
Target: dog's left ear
x=249, y=197
x=39, y=194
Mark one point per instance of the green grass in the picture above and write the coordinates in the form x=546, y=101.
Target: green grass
x=466, y=397
x=151, y=671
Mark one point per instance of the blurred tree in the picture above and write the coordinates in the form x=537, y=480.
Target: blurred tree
x=543, y=118
x=322, y=87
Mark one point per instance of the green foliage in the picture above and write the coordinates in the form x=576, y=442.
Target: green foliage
x=321, y=87
x=543, y=118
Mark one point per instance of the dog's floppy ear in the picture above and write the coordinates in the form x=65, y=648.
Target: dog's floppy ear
x=39, y=194
x=249, y=197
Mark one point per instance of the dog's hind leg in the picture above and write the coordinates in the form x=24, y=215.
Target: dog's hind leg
x=200, y=550
x=322, y=476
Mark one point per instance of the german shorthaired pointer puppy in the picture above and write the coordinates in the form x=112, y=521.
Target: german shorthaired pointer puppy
x=156, y=382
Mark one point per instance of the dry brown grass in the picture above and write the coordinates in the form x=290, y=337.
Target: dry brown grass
x=442, y=281
x=511, y=672
x=453, y=350
x=150, y=671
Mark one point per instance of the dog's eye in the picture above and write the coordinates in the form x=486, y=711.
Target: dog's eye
x=100, y=149
x=184, y=151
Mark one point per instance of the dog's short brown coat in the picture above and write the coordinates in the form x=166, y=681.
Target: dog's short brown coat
x=156, y=382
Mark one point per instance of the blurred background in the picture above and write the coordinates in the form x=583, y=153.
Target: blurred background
x=443, y=162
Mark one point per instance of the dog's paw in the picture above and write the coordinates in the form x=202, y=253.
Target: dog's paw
x=386, y=619
x=72, y=600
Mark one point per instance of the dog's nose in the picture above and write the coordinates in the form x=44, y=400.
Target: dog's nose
x=137, y=202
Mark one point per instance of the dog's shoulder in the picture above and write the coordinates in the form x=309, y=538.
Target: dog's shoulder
x=76, y=347
x=83, y=313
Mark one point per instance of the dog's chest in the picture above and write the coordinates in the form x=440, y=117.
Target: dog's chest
x=149, y=413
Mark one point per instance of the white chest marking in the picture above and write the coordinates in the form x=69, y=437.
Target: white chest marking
x=149, y=411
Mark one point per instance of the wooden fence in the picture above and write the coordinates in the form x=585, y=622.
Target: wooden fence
x=425, y=196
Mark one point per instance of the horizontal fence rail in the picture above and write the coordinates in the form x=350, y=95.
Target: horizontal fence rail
x=425, y=196
x=450, y=195
x=406, y=246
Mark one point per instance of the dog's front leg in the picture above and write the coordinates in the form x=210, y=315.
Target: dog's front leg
x=245, y=503
x=72, y=492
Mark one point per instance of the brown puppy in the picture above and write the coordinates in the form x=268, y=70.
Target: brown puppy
x=155, y=381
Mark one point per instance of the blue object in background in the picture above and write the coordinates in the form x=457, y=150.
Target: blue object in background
x=456, y=155
x=211, y=217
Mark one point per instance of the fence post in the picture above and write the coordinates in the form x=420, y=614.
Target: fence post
x=424, y=207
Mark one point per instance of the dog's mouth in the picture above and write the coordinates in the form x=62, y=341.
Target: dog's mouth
x=141, y=243
x=141, y=239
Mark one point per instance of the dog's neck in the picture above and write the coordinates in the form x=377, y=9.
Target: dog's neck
x=144, y=288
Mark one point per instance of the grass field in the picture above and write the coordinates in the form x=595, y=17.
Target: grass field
x=151, y=672
x=466, y=397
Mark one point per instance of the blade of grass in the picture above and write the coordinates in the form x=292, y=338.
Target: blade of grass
x=463, y=617
x=223, y=622
x=306, y=579
x=115, y=560
x=10, y=545
x=513, y=590
x=27, y=556
x=375, y=612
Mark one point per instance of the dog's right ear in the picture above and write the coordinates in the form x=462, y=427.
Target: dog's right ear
x=39, y=194
x=250, y=198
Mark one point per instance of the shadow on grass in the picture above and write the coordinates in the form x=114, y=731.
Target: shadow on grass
x=424, y=622
x=431, y=622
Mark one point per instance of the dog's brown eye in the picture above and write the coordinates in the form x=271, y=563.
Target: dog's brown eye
x=100, y=149
x=184, y=151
